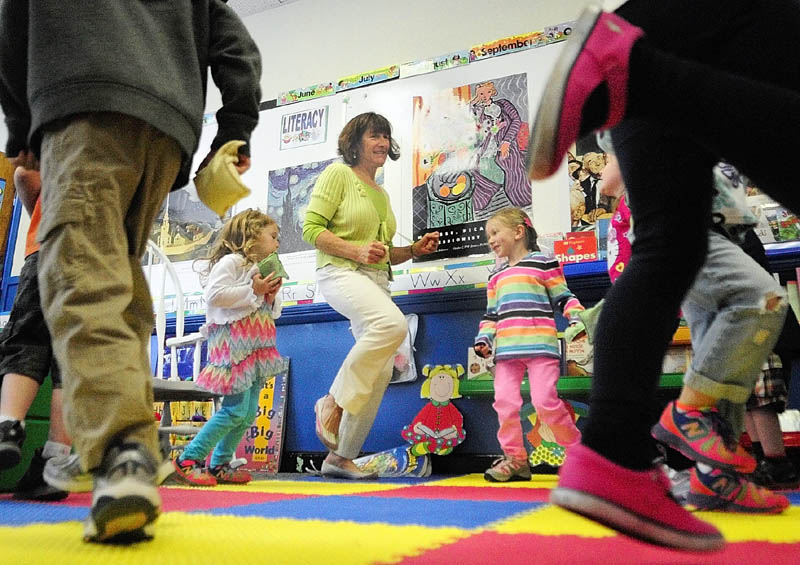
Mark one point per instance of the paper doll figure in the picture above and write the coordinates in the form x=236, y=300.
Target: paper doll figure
x=396, y=462
x=545, y=447
x=439, y=426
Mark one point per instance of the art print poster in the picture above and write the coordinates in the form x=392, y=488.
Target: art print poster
x=288, y=194
x=184, y=228
x=469, y=148
x=587, y=202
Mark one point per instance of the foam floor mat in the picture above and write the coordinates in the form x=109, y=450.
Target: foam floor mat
x=436, y=520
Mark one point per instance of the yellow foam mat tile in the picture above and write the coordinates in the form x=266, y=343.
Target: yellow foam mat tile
x=776, y=528
x=477, y=480
x=551, y=521
x=314, y=488
x=182, y=539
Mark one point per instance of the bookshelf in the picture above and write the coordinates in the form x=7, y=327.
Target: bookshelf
x=567, y=386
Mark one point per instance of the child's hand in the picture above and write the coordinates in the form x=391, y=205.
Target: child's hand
x=275, y=284
x=482, y=350
x=574, y=331
x=260, y=285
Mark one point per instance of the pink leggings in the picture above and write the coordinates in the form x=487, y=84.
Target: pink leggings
x=543, y=375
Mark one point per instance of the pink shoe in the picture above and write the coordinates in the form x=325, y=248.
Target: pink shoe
x=636, y=503
x=597, y=53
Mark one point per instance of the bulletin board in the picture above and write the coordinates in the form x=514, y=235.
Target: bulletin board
x=441, y=121
x=6, y=200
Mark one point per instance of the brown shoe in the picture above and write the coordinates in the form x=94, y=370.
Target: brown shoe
x=333, y=418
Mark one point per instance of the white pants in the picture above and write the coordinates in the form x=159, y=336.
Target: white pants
x=379, y=327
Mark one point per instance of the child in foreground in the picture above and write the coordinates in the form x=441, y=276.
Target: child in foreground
x=241, y=307
x=519, y=328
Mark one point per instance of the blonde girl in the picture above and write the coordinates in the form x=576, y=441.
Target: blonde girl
x=241, y=306
x=519, y=329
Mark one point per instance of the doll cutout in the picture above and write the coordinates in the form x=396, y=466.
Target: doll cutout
x=545, y=447
x=438, y=427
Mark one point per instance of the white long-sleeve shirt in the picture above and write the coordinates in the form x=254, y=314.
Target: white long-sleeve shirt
x=229, y=292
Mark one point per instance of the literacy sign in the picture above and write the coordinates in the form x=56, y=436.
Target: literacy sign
x=304, y=128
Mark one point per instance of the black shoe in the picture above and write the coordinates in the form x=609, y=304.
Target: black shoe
x=776, y=474
x=125, y=499
x=12, y=434
x=32, y=486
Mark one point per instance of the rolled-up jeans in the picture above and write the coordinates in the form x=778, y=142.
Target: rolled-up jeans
x=735, y=311
x=379, y=327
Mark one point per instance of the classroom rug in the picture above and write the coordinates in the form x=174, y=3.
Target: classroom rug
x=299, y=519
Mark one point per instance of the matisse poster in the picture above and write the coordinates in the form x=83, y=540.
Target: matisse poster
x=468, y=160
x=288, y=194
x=308, y=127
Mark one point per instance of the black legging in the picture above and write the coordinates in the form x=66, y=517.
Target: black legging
x=687, y=110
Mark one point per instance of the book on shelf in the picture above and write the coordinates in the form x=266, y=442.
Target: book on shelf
x=576, y=248
x=793, y=297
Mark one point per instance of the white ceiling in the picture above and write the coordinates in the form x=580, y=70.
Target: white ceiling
x=248, y=7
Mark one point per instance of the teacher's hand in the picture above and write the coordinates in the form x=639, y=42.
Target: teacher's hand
x=372, y=253
x=428, y=244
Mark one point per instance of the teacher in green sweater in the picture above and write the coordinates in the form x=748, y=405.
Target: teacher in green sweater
x=350, y=222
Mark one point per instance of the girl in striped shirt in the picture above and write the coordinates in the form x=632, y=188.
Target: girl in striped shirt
x=519, y=329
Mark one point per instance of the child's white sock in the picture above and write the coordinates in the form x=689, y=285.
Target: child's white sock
x=55, y=449
x=4, y=418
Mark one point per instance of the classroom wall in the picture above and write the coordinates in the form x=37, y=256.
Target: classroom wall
x=314, y=41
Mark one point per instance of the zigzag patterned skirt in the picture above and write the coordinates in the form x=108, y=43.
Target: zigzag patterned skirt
x=241, y=354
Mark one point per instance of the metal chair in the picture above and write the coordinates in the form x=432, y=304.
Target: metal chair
x=158, y=269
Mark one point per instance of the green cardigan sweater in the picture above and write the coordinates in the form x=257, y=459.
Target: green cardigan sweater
x=345, y=202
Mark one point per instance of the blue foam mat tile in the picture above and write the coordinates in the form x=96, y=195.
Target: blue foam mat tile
x=396, y=511
x=18, y=513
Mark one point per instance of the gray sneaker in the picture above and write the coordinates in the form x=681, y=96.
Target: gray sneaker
x=125, y=499
x=506, y=469
x=64, y=473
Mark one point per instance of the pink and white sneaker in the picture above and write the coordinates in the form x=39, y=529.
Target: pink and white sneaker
x=635, y=503
x=597, y=53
